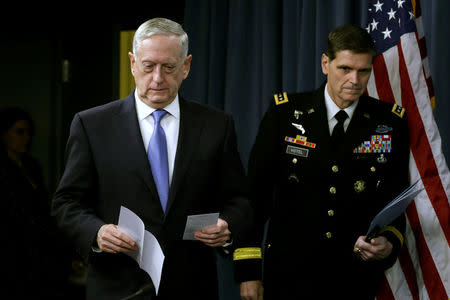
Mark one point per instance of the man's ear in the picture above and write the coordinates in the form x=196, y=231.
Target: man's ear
x=132, y=62
x=187, y=66
x=325, y=62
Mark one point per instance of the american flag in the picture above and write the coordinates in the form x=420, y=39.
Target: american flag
x=401, y=75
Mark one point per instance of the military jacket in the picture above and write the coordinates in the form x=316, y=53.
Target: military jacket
x=317, y=197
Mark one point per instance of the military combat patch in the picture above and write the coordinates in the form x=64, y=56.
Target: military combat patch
x=297, y=151
x=281, y=98
x=398, y=110
x=383, y=129
x=377, y=144
x=300, y=140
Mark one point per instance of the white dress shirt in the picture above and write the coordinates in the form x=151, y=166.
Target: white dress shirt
x=170, y=123
x=333, y=109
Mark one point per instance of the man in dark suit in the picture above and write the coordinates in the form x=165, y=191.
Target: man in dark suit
x=110, y=162
x=320, y=179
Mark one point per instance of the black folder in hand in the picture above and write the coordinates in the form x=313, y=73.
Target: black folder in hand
x=392, y=210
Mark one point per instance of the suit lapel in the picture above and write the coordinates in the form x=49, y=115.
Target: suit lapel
x=191, y=125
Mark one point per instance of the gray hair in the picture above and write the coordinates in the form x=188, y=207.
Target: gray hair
x=161, y=26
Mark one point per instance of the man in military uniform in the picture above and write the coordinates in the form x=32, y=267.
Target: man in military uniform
x=324, y=163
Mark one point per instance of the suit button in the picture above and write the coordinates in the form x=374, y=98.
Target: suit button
x=330, y=212
x=332, y=190
x=373, y=169
x=335, y=169
x=294, y=160
x=328, y=235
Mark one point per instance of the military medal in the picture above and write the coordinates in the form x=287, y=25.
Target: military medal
x=381, y=159
x=377, y=144
x=300, y=140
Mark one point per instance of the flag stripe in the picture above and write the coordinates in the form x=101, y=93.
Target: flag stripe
x=382, y=80
x=432, y=281
x=409, y=272
x=385, y=292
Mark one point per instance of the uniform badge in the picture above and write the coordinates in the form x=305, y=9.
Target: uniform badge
x=297, y=151
x=381, y=159
x=310, y=111
x=383, y=129
x=377, y=144
x=359, y=186
x=366, y=115
x=299, y=127
x=297, y=113
x=398, y=110
x=281, y=98
x=300, y=140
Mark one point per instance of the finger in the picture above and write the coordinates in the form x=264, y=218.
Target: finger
x=119, y=244
x=211, y=230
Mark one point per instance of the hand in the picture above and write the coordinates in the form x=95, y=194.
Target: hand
x=379, y=248
x=112, y=240
x=252, y=290
x=214, y=236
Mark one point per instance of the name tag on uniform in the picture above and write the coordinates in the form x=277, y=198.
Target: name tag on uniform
x=297, y=151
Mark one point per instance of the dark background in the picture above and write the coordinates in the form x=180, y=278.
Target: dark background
x=243, y=52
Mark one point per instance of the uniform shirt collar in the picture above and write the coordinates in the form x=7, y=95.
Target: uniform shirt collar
x=333, y=109
x=143, y=110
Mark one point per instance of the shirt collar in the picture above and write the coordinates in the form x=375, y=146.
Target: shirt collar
x=333, y=109
x=143, y=110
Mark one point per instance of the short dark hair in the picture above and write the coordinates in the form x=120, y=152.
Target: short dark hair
x=8, y=117
x=349, y=37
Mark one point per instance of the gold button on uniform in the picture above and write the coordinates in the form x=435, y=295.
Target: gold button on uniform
x=328, y=235
x=373, y=169
x=331, y=212
x=294, y=160
x=332, y=190
x=335, y=169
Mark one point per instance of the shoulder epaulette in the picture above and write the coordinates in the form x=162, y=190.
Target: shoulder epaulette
x=281, y=98
x=398, y=110
x=247, y=253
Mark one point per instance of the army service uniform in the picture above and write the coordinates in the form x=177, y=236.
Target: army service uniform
x=319, y=199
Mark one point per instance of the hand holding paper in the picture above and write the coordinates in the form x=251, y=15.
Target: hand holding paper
x=150, y=256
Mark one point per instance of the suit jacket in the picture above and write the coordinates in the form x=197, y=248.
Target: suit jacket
x=320, y=199
x=107, y=167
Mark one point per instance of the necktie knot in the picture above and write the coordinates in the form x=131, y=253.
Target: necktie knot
x=158, y=115
x=341, y=116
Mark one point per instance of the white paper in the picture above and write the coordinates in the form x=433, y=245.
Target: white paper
x=149, y=256
x=198, y=222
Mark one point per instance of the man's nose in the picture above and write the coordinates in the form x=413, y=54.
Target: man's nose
x=354, y=77
x=157, y=74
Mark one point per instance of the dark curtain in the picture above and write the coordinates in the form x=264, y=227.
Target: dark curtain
x=244, y=51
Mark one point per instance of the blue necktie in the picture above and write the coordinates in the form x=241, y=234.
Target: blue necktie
x=157, y=155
